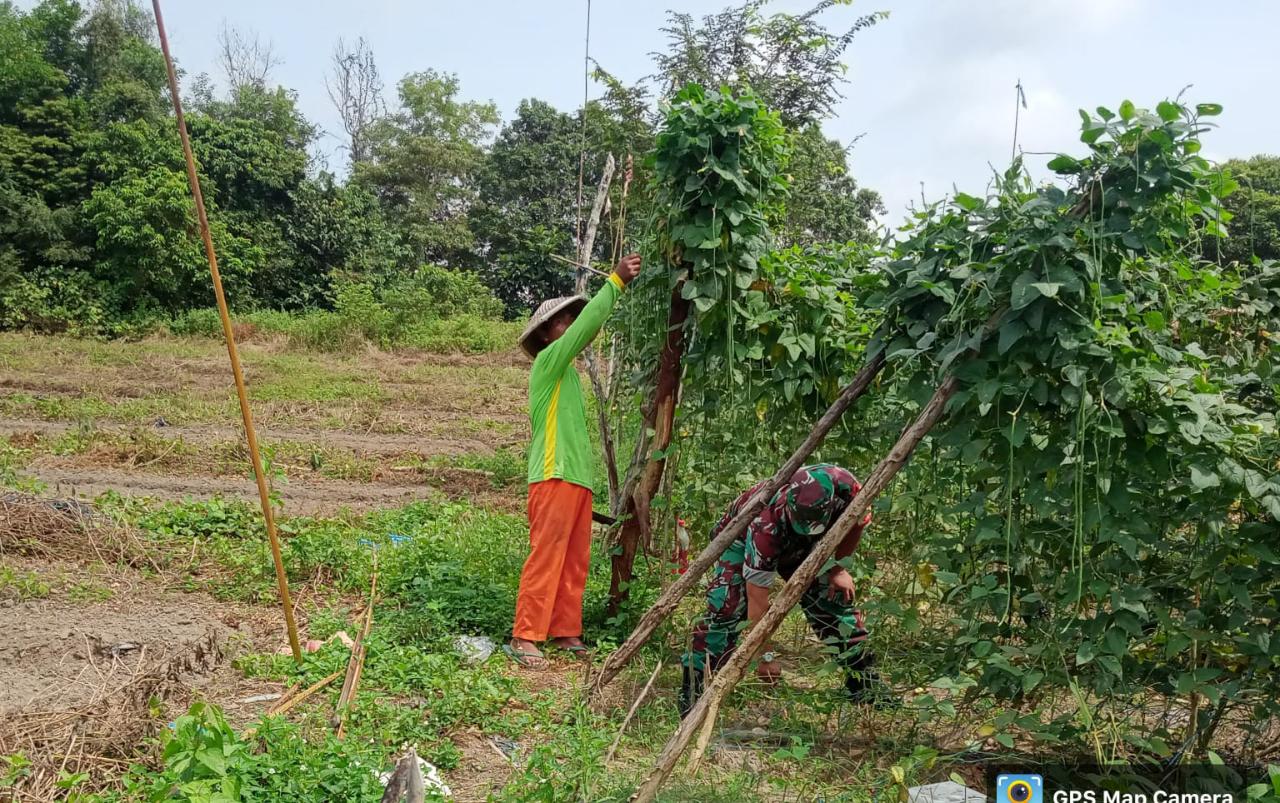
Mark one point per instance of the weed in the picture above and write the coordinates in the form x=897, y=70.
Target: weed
x=15, y=767
x=505, y=467
x=12, y=460
x=21, y=585
x=202, y=519
x=87, y=591
x=75, y=441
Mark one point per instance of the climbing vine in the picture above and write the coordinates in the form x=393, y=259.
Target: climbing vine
x=1112, y=503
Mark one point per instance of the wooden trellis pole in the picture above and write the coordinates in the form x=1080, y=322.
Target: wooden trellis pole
x=735, y=668
x=660, y=418
x=670, y=598
x=593, y=365
x=264, y=492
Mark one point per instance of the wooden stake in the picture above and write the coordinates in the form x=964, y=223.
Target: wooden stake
x=670, y=598
x=735, y=668
x=355, y=666
x=283, y=705
x=613, y=748
x=593, y=366
x=264, y=492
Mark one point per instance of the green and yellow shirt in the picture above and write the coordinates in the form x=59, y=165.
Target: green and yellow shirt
x=561, y=448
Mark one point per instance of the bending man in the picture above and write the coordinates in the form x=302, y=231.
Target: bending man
x=776, y=543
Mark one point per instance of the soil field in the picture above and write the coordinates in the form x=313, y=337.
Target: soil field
x=159, y=419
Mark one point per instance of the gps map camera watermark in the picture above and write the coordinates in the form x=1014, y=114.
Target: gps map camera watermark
x=1019, y=789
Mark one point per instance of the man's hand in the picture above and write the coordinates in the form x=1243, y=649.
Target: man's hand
x=628, y=268
x=840, y=585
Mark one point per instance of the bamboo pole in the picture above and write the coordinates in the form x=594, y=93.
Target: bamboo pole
x=735, y=668
x=355, y=667
x=264, y=493
x=670, y=598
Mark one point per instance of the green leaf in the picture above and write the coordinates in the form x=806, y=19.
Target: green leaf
x=1010, y=333
x=967, y=202
x=1064, y=164
x=1047, y=289
x=1117, y=641
x=1154, y=320
x=1086, y=653
x=1031, y=680
x=1168, y=111
x=1111, y=665
x=1127, y=111
x=1202, y=478
x=1022, y=292
x=1005, y=739
x=1092, y=135
x=1208, y=109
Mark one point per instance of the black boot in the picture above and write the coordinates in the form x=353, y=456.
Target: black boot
x=866, y=687
x=690, y=690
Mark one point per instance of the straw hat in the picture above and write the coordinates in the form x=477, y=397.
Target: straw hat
x=545, y=312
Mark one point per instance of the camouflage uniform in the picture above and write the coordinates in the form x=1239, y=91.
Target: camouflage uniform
x=776, y=543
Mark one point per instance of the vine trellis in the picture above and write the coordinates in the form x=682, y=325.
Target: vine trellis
x=1059, y=345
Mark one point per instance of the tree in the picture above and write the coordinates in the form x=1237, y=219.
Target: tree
x=246, y=60
x=355, y=88
x=525, y=209
x=826, y=205
x=1254, y=229
x=124, y=72
x=423, y=163
x=792, y=61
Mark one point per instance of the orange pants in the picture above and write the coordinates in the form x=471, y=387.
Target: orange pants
x=549, y=604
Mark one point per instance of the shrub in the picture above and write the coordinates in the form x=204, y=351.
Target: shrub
x=434, y=309
x=197, y=323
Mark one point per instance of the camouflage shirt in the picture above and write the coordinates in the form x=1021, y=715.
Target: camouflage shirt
x=780, y=537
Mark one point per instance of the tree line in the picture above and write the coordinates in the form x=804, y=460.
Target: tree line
x=96, y=227
x=97, y=232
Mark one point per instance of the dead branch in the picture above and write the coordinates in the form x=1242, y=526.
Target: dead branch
x=355, y=89
x=585, y=249
x=617, y=740
x=246, y=60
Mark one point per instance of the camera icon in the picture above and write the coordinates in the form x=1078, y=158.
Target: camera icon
x=1019, y=789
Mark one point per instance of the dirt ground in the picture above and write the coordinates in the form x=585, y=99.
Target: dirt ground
x=85, y=657
x=355, y=432
x=60, y=651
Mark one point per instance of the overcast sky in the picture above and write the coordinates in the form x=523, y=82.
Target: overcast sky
x=931, y=89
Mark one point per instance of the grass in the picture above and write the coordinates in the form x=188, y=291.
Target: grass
x=21, y=585
x=452, y=569
x=325, y=331
x=87, y=592
x=445, y=569
x=185, y=381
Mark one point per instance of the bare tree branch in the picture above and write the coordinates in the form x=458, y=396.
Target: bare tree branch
x=245, y=58
x=355, y=88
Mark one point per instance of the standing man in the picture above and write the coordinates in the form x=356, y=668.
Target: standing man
x=561, y=471
x=776, y=543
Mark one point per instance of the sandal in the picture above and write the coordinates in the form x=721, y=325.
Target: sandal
x=525, y=659
x=577, y=650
